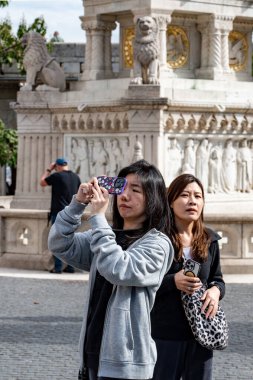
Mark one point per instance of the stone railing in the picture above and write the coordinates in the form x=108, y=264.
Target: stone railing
x=23, y=239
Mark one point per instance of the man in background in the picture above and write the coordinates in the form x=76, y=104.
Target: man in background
x=56, y=37
x=65, y=184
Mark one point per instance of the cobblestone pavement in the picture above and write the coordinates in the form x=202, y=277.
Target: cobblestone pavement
x=40, y=321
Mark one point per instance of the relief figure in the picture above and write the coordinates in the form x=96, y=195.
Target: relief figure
x=215, y=171
x=174, y=160
x=229, y=171
x=244, y=167
x=100, y=159
x=189, y=160
x=202, y=158
x=115, y=156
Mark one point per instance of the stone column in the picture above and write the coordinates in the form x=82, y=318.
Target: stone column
x=88, y=47
x=214, y=30
x=163, y=22
x=215, y=49
x=204, y=29
x=108, y=49
x=228, y=26
x=204, y=45
x=95, y=52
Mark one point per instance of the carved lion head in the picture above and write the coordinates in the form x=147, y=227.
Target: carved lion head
x=146, y=28
x=35, y=47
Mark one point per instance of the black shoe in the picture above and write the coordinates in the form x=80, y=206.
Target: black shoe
x=55, y=271
x=69, y=270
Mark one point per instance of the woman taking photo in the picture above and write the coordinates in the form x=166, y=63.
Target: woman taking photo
x=180, y=356
x=126, y=263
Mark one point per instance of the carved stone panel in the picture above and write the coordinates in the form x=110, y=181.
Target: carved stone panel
x=230, y=243
x=22, y=235
x=107, y=122
x=222, y=165
x=91, y=155
x=247, y=240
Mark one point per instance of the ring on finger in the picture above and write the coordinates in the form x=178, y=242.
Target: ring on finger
x=189, y=288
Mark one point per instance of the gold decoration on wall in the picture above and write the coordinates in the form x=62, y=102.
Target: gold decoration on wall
x=128, y=37
x=177, y=47
x=238, y=50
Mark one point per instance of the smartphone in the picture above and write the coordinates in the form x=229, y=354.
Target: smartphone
x=114, y=185
x=191, y=268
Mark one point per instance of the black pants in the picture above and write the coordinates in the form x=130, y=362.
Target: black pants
x=186, y=360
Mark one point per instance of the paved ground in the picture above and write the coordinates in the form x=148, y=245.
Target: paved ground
x=40, y=320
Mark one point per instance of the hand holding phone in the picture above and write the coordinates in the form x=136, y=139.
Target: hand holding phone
x=114, y=185
x=191, y=268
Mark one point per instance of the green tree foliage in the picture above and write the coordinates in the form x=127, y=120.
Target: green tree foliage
x=8, y=146
x=11, y=49
x=4, y=3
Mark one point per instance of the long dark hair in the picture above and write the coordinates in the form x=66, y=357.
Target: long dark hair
x=200, y=240
x=155, y=193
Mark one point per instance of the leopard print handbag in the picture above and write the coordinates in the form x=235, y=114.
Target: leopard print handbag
x=210, y=333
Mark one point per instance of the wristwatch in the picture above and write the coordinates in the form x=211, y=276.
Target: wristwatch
x=48, y=170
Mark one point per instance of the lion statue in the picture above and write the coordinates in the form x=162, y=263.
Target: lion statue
x=42, y=71
x=146, y=48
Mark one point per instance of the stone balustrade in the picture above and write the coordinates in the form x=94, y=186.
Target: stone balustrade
x=23, y=239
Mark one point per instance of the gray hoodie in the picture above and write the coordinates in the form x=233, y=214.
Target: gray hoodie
x=127, y=349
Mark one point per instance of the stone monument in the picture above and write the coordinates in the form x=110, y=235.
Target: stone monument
x=194, y=114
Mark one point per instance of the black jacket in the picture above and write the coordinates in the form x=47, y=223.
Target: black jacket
x=168, y=319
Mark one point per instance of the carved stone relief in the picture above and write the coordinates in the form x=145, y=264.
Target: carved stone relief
x=189, y=158
x=202, y=157
x=106, y=122
x=214, y=123
x=222, y=165
x=229, y=243
x=92, y=156
x=174, y=159
x=138, y=153
x=244, y=167
x=229, y=167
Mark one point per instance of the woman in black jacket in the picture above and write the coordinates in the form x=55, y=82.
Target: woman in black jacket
x=180, y=356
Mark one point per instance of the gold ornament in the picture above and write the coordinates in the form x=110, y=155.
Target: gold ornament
x=177, y=47
x=238, y=50
x=128, y=37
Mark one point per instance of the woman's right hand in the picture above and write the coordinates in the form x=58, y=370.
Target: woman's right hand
x=100, y=198
x=185, y=283
x=85, y=193
x=92, y=193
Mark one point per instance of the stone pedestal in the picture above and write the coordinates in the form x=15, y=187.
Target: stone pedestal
x=199, y=119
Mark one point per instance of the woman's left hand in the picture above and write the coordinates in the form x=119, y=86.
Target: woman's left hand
x=100, y=198
x=211, y=301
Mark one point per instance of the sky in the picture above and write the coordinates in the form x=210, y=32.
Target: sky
x=60, y=15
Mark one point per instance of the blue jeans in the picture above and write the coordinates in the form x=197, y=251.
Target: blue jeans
x=58, y=262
